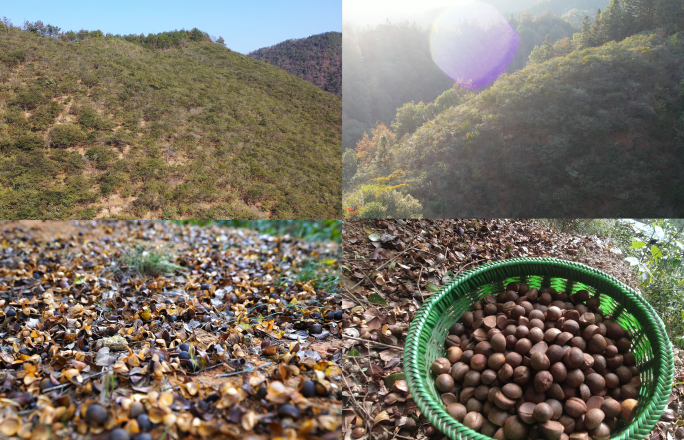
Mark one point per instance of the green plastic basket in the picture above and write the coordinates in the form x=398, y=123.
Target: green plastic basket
x=430, y=327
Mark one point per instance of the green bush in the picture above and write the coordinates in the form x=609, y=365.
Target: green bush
x=29, y=142
x=383, y=201
x=28, y=99
x=66, y=135
x=102, y=155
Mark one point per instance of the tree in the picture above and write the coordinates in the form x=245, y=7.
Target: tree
x=348, y=165
x=542, y=53
x=598, y=34
x=669, y=15
x=383, y=156
x=586, y=39
x=221, y=41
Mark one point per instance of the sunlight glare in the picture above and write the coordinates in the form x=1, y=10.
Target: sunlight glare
x=473, y=43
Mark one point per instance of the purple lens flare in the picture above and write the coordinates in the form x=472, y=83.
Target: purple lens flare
x=473, y=43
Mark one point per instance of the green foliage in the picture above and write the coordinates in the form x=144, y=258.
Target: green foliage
x=29, y=142
x=597, y=131
x=384, y=201
x=317, y=59
x=183, y=126
x=348, y=165
x=66, y=135
x=659, y=261
x=147, y=262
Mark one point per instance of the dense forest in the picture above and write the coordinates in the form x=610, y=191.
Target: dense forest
x=170, y=125
x=592, y=126
x=317, y=59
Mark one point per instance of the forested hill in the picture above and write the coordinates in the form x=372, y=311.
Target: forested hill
x=597, y=132
x=317, y=59
x=161, y=126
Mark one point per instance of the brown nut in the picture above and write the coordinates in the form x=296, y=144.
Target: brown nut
x=551, y=430
x=597, y=344
x=611, y=408
x=502, y=401
x=602, y=432
x=473, y=420
x=593, y=418
x=542, y=381
x=573, y=358
x=574, y=378
x=496, y=361
x=575, y=407
x=595, y=382
x=629, y=409
x=543, y=412
x=454, y=354
x=497, y=416
x=444, y=383
x=539, y=361
x=512, y=391
x=457, y=411
x=441, y=366
x=526, y=412
x=458, y=371
x=515, y=428
x=558, y=371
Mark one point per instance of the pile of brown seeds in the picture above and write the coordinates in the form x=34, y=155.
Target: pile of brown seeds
x=538, y=364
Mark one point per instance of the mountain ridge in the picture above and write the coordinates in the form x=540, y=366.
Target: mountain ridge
x=317, y=59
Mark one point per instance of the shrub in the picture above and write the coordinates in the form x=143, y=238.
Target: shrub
x=29, y=142
x=66, y=135
x=381, y=201
x=102, y=155
x=28, y=99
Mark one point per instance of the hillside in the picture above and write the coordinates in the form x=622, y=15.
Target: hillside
x=391, y=64
x=160, y=127
x=317, y=59
x=596, y=132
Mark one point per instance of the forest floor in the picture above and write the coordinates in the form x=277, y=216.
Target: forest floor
x=150, y=330
x=391, y=266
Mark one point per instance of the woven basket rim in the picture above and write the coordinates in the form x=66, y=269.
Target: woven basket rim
x=434, y=410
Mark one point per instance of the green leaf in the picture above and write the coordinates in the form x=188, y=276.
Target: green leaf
x=389, y=380
x=354, y=353
x=432, y=287
x=374, y=237
x=655, y=250
x=374, y=298
x=637, y=244
x=367, y=230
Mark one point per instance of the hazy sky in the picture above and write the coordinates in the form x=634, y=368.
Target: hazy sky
x=371, y=12
x=245, y=25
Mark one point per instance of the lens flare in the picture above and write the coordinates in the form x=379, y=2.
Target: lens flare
x=473, y=43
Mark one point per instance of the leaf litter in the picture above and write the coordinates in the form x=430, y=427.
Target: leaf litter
x=390, y=267
x=150, y=330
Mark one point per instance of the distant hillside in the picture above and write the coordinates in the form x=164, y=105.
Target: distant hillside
x=596, y=132
x=317, y=59
x=164, y=126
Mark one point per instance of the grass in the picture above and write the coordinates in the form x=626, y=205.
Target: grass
x=147, y=262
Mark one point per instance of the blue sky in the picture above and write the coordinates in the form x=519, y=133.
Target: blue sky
x=245, y=25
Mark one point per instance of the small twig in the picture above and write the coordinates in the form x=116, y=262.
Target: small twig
x=65, y=385
x=247, y=370
x=385, y=264
x=208, y=368
x=367, y=418
x=372, y=342
x=418, y=284
x=397, y=435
